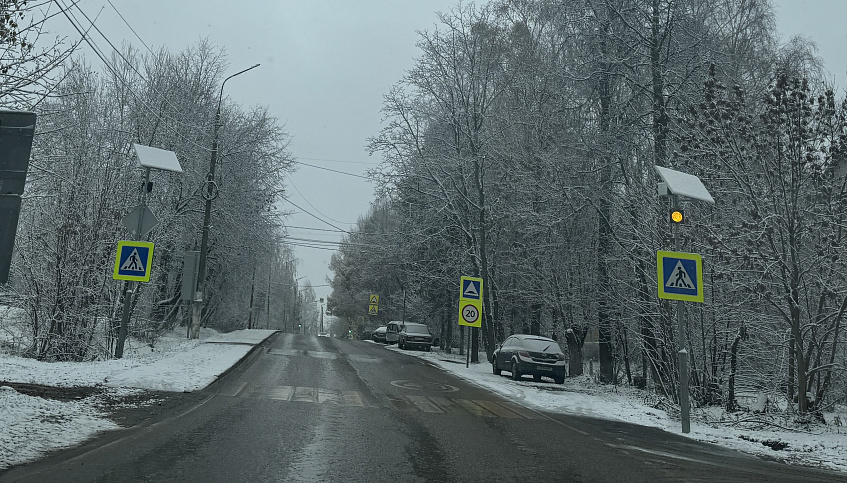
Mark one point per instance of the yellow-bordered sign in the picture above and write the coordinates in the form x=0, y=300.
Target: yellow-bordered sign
x=680, y=276
x=373, y=309
x=470, y=302
x=374, y=300
x=133, y=261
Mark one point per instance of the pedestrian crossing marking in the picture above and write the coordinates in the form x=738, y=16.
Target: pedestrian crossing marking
x=424, y=405
x=282, y=393
x=409, y=403
x=473, y=408
x=448, y=406
x=522, y=411
x=496, y=409
x=326, y=395
x=305, y=394
x=352, y=398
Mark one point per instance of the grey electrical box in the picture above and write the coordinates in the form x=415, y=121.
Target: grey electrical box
x=189, y=275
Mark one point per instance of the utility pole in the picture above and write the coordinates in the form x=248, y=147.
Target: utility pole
x=209, y=193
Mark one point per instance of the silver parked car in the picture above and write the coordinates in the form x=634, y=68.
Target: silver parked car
x=530, y=354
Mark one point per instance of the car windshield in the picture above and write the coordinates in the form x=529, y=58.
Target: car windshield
x=417, y=329
x=541, y=345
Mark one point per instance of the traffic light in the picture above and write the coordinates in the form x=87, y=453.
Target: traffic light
x=677, y=217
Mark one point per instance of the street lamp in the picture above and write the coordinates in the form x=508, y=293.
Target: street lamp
x=210, y=194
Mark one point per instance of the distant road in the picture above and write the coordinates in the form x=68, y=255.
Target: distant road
x=305, y=408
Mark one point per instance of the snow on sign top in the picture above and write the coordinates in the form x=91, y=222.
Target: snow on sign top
x=157, y=158
x=683, y=184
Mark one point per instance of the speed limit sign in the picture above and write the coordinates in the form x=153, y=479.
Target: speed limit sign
x=470, y=302
x=470, y=314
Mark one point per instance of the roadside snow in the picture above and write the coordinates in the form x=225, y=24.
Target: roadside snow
x=31, y=426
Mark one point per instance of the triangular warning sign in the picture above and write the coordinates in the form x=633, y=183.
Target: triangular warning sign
x=679, y=278
x=133, y=263
x=471, y=291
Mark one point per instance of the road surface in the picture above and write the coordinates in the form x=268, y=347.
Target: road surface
x=304, y=408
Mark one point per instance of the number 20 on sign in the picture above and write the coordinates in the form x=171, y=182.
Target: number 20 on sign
x=470, y=302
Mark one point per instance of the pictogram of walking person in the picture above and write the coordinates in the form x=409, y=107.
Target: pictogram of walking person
x=133, y=263
x=680, y=278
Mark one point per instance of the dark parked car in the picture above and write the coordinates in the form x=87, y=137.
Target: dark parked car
x=379, y=334
x=530, y=354
x=414, y=335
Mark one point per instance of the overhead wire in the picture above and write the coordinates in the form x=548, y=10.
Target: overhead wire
x=310, y=203
x=88, y=40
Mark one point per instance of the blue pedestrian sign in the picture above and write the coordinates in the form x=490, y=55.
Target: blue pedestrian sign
x=133, y=261
x=680, y=276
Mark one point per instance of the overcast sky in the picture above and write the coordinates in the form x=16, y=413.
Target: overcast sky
x=326, y=65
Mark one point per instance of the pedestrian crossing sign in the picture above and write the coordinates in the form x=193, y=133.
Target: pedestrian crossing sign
x=133, y=261
x=680, y=276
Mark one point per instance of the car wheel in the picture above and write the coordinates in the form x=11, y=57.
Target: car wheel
x=516, y=374
x=428, y=348
x=494, y=367
x=536, y=377
x=559, y=379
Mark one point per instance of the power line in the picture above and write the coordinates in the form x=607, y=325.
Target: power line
x=332, y=170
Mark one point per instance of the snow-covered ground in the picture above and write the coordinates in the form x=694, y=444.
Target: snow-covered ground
x=31, y=426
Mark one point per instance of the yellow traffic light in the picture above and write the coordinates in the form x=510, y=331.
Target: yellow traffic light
x=677, y=216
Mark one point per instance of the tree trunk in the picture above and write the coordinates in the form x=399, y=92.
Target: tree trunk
x=575, y=338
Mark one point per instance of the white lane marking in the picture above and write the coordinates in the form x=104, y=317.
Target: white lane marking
x=424, y=404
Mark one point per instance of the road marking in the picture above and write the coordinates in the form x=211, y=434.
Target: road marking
x=280, y=393
x=398, y=403
x=526, y=413
x=448, y=406
x=305, y=394
x=424, y=404
x=352, y=398
x=326, y=395
x=235, y=390
x=409, y=403
x=473, y=408
x=323, y=355
x=495, y=408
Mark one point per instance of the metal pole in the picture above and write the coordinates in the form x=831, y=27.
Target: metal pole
x=684, y=405
x=268, y=297
x=207, y=213
x=128, y=292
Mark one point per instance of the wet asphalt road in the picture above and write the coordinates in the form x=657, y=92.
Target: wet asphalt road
x=302, y=408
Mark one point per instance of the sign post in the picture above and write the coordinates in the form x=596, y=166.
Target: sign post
x=680, y=275
x=134, y=258
x=470, y=308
